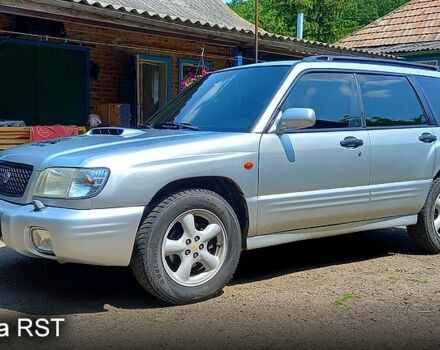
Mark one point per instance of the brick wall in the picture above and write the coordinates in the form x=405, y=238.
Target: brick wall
x=116, y=78
x=7, y=22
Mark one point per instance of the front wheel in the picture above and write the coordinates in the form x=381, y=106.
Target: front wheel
x=426, y=233
x=188, y=247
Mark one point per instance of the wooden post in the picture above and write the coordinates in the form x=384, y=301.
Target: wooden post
x=256, y=30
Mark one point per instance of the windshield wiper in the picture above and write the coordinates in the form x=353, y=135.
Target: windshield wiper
x=177, y=126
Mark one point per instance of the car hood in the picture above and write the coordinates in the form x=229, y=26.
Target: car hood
x=83, y=150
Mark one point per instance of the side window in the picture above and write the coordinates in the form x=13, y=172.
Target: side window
x=431, y=89
x=390, y=101
x=332, y=96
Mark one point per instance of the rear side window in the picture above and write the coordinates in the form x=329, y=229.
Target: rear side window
x=431, y=89
x=390, y=101
x=332, y=96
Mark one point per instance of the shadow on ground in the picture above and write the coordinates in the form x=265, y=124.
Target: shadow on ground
x=40, y=287
x=300, y=256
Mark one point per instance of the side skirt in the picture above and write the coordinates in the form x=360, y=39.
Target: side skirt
x=326, y=231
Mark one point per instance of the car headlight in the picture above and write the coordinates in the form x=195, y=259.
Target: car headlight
x=71, y=183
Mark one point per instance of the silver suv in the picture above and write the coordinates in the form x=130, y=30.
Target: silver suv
x=246, y=158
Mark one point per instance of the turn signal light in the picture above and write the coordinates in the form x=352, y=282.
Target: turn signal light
x=248, y=165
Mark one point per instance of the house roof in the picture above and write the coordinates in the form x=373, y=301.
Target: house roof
x=211, y=13
x=418, y=21
x=409, y=48
x=211, y=19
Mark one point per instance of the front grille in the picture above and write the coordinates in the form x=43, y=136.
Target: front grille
x=14, y=178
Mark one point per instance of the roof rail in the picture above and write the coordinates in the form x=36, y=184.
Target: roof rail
x=371, y=60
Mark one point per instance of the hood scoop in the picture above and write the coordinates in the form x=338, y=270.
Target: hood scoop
x=109, y=131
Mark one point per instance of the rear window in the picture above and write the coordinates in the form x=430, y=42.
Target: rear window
x=390, y=101
x=431, y=89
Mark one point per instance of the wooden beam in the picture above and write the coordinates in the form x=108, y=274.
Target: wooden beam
x=257, y=29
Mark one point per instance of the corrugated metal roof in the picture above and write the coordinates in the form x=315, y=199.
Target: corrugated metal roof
x=412, y=47
x=211, y=14
x=417, y=21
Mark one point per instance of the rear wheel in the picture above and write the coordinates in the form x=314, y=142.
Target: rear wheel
x=426, y=233
x=188, y=247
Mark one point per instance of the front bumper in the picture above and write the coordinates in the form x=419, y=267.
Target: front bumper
x=97, y=236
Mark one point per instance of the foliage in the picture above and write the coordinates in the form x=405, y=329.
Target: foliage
x=325, y=20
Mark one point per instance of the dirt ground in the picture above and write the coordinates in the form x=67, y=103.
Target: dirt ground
x=370, y=290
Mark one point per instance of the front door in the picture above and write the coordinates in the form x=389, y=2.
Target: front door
x=153, y=86
x=317, y=176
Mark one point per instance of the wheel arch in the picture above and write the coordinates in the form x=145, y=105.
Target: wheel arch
x=223, y=186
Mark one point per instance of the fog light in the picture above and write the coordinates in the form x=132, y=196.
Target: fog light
x=42, y=241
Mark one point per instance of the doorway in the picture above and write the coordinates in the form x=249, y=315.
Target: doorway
x=154, y=85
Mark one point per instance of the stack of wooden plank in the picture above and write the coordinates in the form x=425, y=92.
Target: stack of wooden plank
x=10, y=137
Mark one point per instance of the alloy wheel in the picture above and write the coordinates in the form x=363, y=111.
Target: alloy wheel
x=436, y=216
x=194, y=247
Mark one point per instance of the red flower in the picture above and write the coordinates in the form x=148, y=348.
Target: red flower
x=191, y=78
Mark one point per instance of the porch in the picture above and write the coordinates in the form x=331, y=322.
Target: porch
x=62, y=60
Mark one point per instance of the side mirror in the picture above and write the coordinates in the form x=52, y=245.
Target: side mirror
x=296, y=118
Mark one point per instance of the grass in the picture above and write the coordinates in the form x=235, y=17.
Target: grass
x=394, y=279
x=418, y=280
x=341, y=300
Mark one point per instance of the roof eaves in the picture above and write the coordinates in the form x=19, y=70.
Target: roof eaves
x=409, y=48
x=306, y=44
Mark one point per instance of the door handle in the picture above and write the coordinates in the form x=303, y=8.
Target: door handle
x=352, y=142
x=427, y=138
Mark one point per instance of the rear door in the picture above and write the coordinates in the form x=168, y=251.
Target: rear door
x=317, y=176
x=402, y=145
x=430, y=89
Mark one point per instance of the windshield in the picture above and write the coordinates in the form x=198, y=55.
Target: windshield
x=230, y=100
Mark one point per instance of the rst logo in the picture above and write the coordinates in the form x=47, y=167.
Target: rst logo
x=26, y=327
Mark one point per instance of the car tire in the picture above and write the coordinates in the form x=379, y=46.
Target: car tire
x=178, y=229
x=426, y=233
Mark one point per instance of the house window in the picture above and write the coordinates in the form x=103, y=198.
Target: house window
x=188, y=67
x=154, y=84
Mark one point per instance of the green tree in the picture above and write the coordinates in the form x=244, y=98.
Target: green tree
x=325, y=20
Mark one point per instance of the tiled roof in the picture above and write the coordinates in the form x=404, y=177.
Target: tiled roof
x=417, y=21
